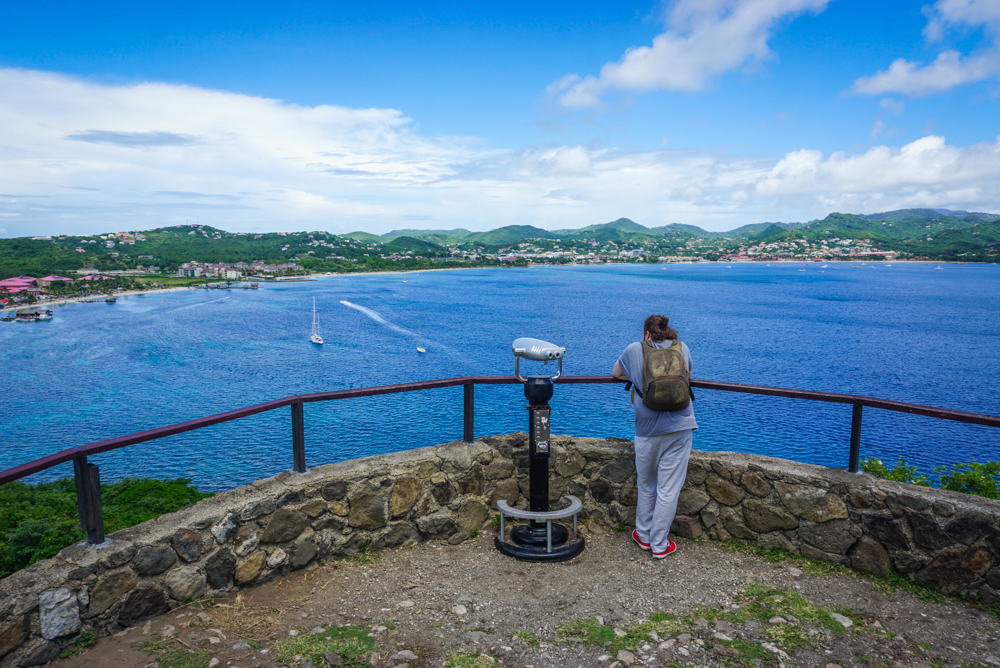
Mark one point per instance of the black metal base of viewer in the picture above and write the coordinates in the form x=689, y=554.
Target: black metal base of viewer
x=530, y=552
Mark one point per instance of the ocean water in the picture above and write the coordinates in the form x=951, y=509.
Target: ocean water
x=906, y=332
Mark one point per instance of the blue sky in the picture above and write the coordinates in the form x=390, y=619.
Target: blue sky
x=340, y=117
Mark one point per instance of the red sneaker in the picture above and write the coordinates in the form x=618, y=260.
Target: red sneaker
x=635, y=537
x=671, y=548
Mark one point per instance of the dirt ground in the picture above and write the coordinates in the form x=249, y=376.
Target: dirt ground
x=423, y=605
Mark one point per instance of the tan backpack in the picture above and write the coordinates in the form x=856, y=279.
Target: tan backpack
x=666, y=381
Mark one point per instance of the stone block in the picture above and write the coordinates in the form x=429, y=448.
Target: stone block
x=868, y=556
x=442, y=490
x=807, y=550
x=246, y=540
x=277, y=558
x=498, y=469
x=732, y=520
x=506, y=490
x=38, y=652
x=472, y=515
x=724, y=491
x=696, y=474
x=186, y=544
x=368, y=511
x=405, y=492
x=629, y=494
x=569, y=462
x=59, y=610
x=249, y=570
x=686, y=526
x=313, y=508
x=219, y=569
x=811, y=503
x=775, y=541
x=398, y=535
x=927, y=533
x=12, y=633
x=184, y=583
x=438, y=525
x=602, y=491
x=284, y=525
x=461, y=455
x=334, y=491
x=834, y=537
x=303, y=550
x=117, y=554
x=155, y=559
x=764, y=517
x=944, y=508
x=224, y=531
x=885, y=530
x=956, y=568
x=256, y=509
x=142, y=604
x=690, y=501
x=109, y=589
x=618, y=470
x=756, y=484
x=720, y=469
x=967, y=528
x=472, y=482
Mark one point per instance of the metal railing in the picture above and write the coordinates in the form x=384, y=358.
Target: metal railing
x=87, y=475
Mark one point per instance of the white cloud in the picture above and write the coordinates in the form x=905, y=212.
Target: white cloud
x=81, y=157
x=951, y=68
x=926, y=172
x=704, y=38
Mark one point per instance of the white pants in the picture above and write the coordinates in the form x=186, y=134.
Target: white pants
x=661, y=466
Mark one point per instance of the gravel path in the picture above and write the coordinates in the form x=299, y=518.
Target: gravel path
x=426, y=603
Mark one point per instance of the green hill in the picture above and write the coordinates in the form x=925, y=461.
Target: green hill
x=458, y=233
x=511, y=234
x=365, y=237
x=404, y=244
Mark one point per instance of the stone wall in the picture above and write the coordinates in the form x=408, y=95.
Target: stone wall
x=249, y=535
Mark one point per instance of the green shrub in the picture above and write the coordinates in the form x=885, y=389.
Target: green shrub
x=972, y=478
x=36, y=521
x=900, y=472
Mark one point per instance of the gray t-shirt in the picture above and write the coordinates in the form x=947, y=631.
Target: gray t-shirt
x=649, y=422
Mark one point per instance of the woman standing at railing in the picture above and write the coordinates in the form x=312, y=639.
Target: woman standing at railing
x=662, y=437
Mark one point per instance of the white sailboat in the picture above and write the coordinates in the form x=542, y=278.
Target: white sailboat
x=315, y=338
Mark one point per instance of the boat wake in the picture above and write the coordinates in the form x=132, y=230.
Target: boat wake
x=200, y=304
x=378, y=318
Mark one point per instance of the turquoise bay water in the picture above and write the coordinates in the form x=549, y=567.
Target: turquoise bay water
x=905, y=332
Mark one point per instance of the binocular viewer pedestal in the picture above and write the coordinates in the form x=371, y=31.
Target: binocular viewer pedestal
x=540, y=539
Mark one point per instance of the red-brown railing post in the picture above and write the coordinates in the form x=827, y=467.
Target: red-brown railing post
x=469, y=412
x=298, y=438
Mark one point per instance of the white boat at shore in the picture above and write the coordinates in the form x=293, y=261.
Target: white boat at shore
x=315, y=337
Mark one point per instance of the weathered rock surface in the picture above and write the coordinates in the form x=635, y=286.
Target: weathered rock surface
x=184, y=583
x=724, y=491
x=109, y=589
x=367, y=511
x=405, y=493
x=811, y=503
x=142, y=604
x=284, y=525
x=59, y=610
x=187, y=544
x=219, y=569
x=251, y=568
x=155, y=559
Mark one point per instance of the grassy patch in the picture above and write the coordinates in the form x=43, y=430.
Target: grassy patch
x=170, y=654
x=745, y=652
x=470, y=660
x=351, y=642
x=36, y=521
x=887, y=584
x=86, y=639
x=366, y=555
x=526, y=637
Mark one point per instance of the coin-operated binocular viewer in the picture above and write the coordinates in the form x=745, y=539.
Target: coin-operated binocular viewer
x=540, y=539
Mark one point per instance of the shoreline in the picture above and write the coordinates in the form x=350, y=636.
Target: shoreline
x=316, y=276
